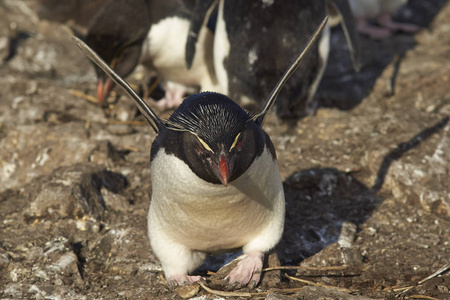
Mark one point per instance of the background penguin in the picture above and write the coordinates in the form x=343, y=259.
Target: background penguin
x=341, y=13
x=256, y=40
x=216, y=184
x=381, y=11
x=128, y=32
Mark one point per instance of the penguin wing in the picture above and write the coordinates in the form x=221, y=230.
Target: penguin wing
x=270, y=101
x=343, y=9
x=149, y=114
x=202, y=11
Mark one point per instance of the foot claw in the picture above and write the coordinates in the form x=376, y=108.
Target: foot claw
x=232, y=286
x=247, y=272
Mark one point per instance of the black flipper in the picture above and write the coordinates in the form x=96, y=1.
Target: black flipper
x=270, y=101
x=149, y=114
x=348, y=24
x=201, y=12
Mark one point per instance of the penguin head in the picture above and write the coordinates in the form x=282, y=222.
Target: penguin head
x=214, y=136
x=116, y=33
x=121, y=54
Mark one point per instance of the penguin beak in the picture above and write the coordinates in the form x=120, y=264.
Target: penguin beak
x=224, y=170
x=223, y=167
x=103, y=90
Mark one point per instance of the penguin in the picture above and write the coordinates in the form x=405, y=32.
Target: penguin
x=215, y=179
x=381, y=11
x=340, y=12
x=255, y=41
x=153, y=33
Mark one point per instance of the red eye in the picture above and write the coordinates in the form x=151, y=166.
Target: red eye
x=239, y=144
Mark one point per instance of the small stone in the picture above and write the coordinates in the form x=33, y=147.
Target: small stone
x=73, y=192
x=271, y=279
x=187, y=291
x=4, y=261
x=67, y=266
x=114, y=201
x=443, y=289
x=347, y=235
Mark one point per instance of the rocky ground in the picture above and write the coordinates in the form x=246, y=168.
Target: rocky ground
x=366, y=179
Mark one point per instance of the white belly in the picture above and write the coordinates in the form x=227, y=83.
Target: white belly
x=365, y=8
x=164, y=51
x=212, y=217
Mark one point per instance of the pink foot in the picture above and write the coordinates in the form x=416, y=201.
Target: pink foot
x=182, y=279
x=373, y=32
x=172, y=99
x=247, y=272
x=386, y=21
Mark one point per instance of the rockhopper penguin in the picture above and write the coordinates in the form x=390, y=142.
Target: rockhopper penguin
x=216, y=184
x=153, y=33
x=255, y=41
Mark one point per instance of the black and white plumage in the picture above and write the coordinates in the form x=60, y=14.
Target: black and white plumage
x=216, y=184
x=341, y=13
x=230, y=161
x=126, y=33
x=255, y=41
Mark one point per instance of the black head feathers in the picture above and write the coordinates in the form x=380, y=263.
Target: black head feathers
x=210, y=116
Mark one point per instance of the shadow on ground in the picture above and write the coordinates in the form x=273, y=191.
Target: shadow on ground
x=344, y=89
x=320, y=200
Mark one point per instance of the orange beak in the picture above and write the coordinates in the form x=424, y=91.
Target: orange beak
x=103, y=90
x=223, y=169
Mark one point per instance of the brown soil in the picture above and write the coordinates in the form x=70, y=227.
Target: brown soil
x=366, y=179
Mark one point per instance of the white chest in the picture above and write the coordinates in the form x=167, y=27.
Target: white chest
x=207, y=216
x=164, y=50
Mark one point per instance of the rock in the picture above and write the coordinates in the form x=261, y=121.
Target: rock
x=188, y=291
x=271, y=279
x=106, y=154
x=114, y=201
x=66, y=264
x=29, y=151
x=335, y=255
x=4, y=48
x=348, y=234
x=4, y=261
x=74, y=192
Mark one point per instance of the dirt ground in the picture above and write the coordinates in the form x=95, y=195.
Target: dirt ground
x=366, y=179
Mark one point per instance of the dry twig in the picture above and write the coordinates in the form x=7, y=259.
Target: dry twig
x=84, y=96
x=246, y=294
x=131, y=148
x=229, y=294
x=435, y=274
x=421, y=297
x=333, y=268
x=318, y=284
